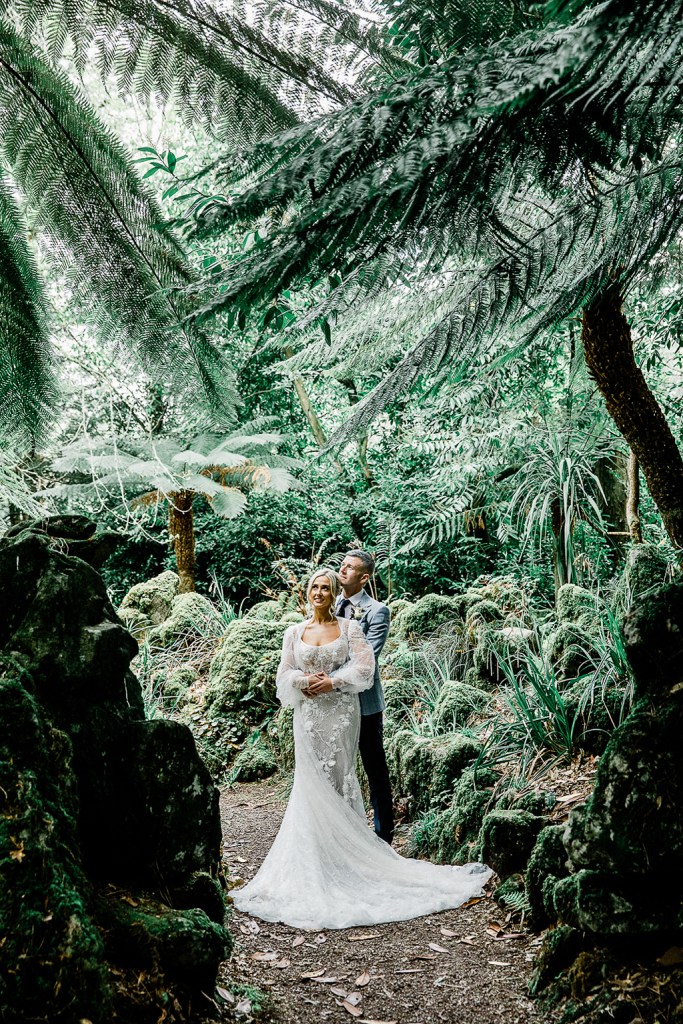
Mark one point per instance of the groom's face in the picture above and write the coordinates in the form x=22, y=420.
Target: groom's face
x=353, y=575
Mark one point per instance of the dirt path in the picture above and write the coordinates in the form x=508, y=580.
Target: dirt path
x=386, y=973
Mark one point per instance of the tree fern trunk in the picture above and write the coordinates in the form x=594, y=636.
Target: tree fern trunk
x=181, y=532
x=608, y=345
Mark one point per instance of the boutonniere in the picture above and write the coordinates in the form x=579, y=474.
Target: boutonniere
x=357, y=613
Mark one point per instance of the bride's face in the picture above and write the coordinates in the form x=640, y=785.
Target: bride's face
x=320, y=594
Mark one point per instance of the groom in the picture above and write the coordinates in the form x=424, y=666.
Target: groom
x=356, y=603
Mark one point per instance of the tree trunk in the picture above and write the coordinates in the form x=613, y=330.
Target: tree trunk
x=181, y=532
x=560, y=567
x=608, y=347
x=350, y=386
x=633, y=501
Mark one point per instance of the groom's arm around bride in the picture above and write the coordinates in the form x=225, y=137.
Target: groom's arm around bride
x=355, y=571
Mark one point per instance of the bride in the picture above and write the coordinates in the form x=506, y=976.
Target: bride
x=326, y=867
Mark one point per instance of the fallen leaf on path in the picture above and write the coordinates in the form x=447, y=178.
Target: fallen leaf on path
x=312, y=974
x=425, y=956
x=355, y=1011
x=494, y=927
x=354, y=998
x=449, y=933
x=499, y=963
x=328, y=980
x=470, y=903
x=339, y=992
x=408, y=970
x=569, y=798
x=366, y=1020
x=224, y=994
x=281, y=964
x=299, y=940
x=510, y=935
x=264, y=956
x=363, y=937
x=319, y=939
x=437, y=948
x=362, y=980
x=244, y=1006
x=468, y=940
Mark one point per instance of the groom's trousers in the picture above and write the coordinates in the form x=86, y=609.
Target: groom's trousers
x=374, y=760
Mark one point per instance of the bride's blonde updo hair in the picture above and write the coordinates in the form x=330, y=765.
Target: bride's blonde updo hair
x=335, y=584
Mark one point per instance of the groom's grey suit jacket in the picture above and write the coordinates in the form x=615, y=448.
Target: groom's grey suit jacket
x=375, y=624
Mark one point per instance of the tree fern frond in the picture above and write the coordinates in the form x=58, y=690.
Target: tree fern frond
x=27, y=386
x=227, y=67
x=98, y=220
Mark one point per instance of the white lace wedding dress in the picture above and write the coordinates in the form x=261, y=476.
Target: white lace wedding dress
x=326, y=867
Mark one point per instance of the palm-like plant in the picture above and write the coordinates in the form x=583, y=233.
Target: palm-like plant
x=241, y=73
x=222, y=469
x=542, y=168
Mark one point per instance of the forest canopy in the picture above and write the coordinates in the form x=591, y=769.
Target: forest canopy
x=427, y=258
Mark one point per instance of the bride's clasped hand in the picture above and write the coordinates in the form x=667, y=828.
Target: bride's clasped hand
x=353, y=877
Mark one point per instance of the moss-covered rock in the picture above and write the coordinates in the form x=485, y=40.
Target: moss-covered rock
x=280, y=735
x=150, y=602
x=45, y=897
x=400, y=694
x=185, y=944
x=176, y=686
x=575, y=604
x=246, y=663
x=547, y=865
x=560, y=948
x=456, y=704
x=397, y=609
x=646, y=568
x=451, y=836
x=482, y=612
x=507, y=839
x=92, y=793
x=255, y=761
x=270, y=611
x=192, y=615
x=479, y=677
x=426, y=767
x=427, y=615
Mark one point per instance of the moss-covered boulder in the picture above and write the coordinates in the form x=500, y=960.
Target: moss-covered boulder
x=628, y=837
x=92, y=794
x=245, y=663
x=547, y=865
x=426, y=767
x=451, y=836
x=646, y=568
x=507, y=839
x=150, y=603
x=575, y=604
x=271, y=611
x=255, y=761
x=427, y=615
x=398, y=609
x=456, y=704
x=482, y=612
x=280, y=736
x=191, y=617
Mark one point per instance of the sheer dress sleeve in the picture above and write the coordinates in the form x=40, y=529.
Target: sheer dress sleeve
x=358, y=672
x=289, y=679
